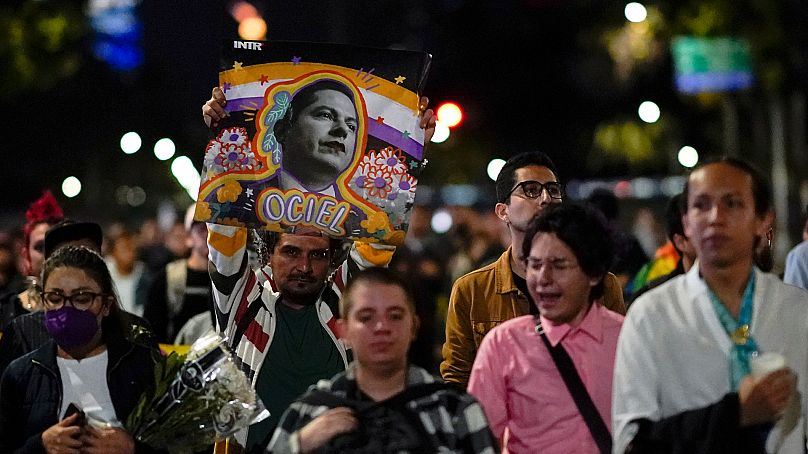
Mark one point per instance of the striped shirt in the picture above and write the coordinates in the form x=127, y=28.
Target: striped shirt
x=237, y=287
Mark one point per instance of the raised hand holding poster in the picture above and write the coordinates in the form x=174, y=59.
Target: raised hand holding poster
x=318, y=135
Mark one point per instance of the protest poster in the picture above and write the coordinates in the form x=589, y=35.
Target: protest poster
x=318, y=135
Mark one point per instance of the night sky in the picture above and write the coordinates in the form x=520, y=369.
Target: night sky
x=526, y=72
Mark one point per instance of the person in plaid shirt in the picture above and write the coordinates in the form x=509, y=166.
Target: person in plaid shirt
x=380, y=403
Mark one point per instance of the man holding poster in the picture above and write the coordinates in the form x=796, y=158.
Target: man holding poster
x=280, y=317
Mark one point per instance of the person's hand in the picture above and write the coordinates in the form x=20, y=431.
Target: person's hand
x=764, y=399
x=107, y=441
x=213, y=110
x=428, y=119
x=329, y=424
x=63, y=437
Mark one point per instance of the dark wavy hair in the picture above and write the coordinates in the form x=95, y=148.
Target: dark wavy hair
x=584, y=230
x=93, y=265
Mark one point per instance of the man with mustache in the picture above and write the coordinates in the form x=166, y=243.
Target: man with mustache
x=685, y=377
x=496, y=293
x=281, y=317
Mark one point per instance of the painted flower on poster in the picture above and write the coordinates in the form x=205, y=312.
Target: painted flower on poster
x=389, y=159
x=378, y=182
x=230, y=151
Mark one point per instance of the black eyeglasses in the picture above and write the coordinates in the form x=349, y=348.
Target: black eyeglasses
x=533, y=189
x=80, y=300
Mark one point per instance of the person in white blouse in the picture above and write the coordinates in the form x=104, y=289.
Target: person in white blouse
x=682, y=379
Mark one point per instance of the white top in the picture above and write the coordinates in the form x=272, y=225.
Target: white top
x=797, y=266
x=85, y=384
x=673, y=354
x=127, y=285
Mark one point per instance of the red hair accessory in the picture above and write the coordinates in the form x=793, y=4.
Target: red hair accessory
x=44, y=209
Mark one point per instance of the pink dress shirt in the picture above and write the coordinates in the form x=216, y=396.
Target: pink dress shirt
x=522, y=392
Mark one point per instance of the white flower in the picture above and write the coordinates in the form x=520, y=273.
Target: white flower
x=235, y=136
x=389, y=159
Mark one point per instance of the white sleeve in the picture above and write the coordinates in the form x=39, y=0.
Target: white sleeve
x=229, y=273
x=635, y=388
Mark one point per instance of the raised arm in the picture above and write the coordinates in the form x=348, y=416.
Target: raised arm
x=229, y=273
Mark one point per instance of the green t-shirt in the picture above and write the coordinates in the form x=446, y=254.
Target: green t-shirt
x=301, y=353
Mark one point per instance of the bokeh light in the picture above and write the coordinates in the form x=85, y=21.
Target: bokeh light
x=441, y=133
x=441, y=221
x=131, y=142
x=688, y=156
x=648, y=112
x=164, y=149
x=450, y=114
x=253, y=28
x=71, y=187
x=241, y=10
x=186, y=174
x=494, y=168
x=635, y=12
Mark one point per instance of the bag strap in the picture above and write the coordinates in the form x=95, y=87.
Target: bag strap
x=583, y=401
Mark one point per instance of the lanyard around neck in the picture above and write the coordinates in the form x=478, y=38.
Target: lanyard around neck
x=739, y=331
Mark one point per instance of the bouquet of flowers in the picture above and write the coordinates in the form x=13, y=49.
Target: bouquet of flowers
x=198, y=398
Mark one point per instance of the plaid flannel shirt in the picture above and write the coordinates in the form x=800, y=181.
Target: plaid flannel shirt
x=465, y=429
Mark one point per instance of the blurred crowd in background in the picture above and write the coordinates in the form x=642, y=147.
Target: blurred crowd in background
x=470, y=238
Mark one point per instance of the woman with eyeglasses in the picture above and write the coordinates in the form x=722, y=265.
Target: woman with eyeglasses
x=72, y=395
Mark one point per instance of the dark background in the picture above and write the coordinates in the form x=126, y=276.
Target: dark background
x=529, y=74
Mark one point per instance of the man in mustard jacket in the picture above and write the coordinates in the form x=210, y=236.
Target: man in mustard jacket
x=484, y=298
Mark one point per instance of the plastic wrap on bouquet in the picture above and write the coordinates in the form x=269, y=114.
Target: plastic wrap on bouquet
x=198, y=399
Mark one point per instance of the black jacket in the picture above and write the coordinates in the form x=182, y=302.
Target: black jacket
x=31, y=392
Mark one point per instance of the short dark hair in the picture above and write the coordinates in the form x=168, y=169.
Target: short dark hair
x=673, y=217
x=378, y=276
x=507, y=176
x=761, y=192
x=584, y=230
x=304, y=98
x=93, y=265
